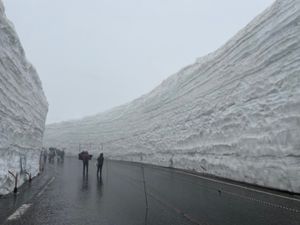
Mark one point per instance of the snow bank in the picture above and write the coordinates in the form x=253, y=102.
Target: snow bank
x=23, y=109
x=234, y=113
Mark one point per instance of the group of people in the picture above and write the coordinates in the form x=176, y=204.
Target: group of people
x=54, y=153
x=86, y=157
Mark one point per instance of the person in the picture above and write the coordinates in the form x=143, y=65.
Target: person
x=51, y=155
x=85, y=157
x=63, y=155
x=60, y=155
x=100, y=160
x=45, y=156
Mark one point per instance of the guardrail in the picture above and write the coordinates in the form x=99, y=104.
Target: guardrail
x=15, y=176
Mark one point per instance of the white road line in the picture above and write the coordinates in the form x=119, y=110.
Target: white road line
x=47, y=185
x=263, y=202
x=231, y=184
x=239, y=186
x=19, y=212
x=22, y=210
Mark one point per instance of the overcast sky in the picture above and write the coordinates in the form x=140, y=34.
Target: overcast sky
x=93, y=55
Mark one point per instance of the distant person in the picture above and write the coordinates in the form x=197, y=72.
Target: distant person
x=85, y=157
x=63, y=155
x=100, y=160
x=51, y=155
x=45, y=156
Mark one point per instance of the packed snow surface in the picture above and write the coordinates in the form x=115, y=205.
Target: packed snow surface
x=235, y=113
x=23, y=109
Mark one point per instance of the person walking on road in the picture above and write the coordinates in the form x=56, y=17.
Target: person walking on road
x=100, y=160
x=85, y=157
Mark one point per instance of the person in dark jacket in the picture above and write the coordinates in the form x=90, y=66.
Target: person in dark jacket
x=100, y=160
x=85, y=157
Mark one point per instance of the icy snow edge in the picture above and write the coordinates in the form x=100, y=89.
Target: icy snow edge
x=23, y=109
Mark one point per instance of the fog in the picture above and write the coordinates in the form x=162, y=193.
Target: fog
x=96, y=54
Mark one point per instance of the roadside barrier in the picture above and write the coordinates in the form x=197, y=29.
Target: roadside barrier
x=29, y=176
x=16, y=181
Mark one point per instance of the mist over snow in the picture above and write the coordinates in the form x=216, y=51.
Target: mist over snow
x=234, y=113
x=23, y=109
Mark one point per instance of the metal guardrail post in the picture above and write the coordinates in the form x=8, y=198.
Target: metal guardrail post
x=16, y=181
x=29, y=176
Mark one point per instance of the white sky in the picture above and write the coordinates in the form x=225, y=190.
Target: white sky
x=92, y=55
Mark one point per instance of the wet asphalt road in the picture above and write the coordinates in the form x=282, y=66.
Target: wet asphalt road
x=63, y=196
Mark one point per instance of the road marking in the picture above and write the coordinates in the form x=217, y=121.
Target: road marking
x=22, y=210
x=177, y=210
x=136, y=183
x=19, y=212
x=264, y=202
x=239, y=186
x=222, y=182
x=46, y=186
x=251, y=189
x=188, y=217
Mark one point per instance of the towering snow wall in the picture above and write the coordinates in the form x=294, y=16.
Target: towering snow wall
x=23, y=109
x=234, y=113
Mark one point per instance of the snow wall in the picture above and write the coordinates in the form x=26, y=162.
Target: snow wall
x=23, y=109
x=235, y=113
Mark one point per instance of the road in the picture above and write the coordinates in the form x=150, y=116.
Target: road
x=132, y=194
